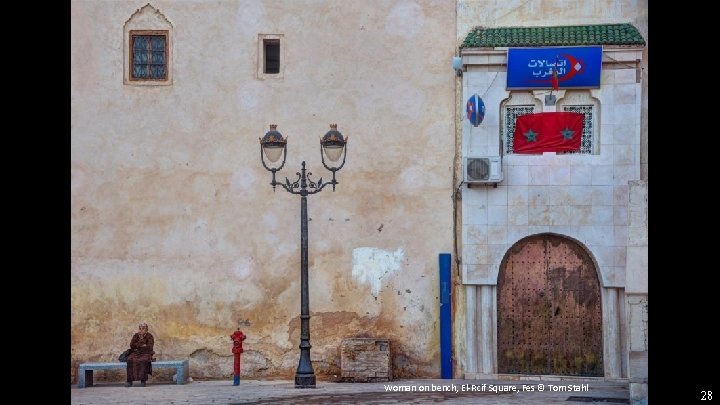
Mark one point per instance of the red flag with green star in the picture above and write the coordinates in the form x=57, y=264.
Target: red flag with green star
x=548, y=132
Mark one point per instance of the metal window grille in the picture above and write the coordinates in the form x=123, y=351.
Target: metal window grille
x=149, y=57
x=586, y=141
x=511, y=114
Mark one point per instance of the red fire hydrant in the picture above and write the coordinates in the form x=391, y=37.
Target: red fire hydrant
x=237, y=338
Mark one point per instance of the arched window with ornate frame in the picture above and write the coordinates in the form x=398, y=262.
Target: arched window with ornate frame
x=581, y=101
x=525, y=102
x=147, y=48
x=519, y=103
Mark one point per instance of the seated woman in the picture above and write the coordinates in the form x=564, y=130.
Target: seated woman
x=139, y=363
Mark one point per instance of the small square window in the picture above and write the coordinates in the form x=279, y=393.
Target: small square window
x=272, y=56
x=148, y=55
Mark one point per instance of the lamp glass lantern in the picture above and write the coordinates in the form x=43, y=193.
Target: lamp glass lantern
x=273, y=144
x=333, y=143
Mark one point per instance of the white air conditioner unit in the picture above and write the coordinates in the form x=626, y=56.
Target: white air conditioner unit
x=482, y=170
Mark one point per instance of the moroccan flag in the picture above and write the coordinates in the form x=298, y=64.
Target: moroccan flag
x=555, y=79
x=548, y=132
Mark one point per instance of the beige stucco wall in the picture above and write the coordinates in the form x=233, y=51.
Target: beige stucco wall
x=172, y=218
x=533, y=13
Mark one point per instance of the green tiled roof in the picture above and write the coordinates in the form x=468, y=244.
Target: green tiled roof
x=606, y=34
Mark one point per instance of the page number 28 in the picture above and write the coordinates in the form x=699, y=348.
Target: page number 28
x=706, y=395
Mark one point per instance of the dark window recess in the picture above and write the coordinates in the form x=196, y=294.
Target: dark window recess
x=149, y=57
x=272, y=55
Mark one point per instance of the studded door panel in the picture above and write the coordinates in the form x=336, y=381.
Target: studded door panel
x=549, y=314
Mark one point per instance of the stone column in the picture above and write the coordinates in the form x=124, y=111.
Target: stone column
x=487, y=330
x=611, y=334
x=470, y=332
x=636, y=292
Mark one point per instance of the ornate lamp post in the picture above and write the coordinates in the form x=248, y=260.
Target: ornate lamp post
x=332, y=146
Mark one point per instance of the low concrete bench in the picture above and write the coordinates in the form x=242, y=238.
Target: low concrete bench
x=85, y=370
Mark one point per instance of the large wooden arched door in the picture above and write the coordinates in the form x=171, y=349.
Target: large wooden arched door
x=549, y=314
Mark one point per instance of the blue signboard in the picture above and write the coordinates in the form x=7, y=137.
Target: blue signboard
x=577, y=67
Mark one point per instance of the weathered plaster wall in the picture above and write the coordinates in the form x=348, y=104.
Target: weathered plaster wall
x=173, y=220
x=523, y=13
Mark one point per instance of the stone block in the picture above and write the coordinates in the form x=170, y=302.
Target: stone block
x=638, y=366
x=365, y=360
x=517, y=176
x=638, y=394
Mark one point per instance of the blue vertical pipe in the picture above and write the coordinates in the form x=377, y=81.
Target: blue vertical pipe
x=446, y=369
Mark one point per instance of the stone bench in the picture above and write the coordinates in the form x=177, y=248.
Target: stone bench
x=85, y=370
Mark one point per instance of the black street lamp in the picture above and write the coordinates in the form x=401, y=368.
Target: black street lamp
x=332, y=145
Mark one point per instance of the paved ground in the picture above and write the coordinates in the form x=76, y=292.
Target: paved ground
x=491, y=392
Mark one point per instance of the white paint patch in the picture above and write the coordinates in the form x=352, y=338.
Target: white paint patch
x=243, y=268
x=371, y=265
x=405, y=19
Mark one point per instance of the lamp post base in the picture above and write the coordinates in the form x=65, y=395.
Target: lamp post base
x=304, y=380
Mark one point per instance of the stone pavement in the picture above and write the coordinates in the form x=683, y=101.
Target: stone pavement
x=423, y=391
